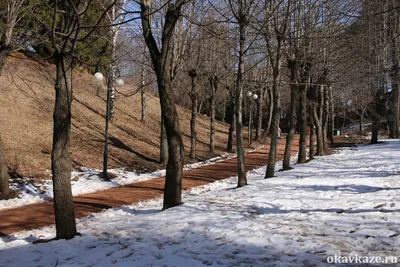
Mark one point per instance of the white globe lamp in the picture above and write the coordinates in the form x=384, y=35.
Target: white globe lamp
x=99, y=76
x=119, y=82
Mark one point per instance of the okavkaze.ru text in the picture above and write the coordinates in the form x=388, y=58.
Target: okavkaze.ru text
x=355, y=258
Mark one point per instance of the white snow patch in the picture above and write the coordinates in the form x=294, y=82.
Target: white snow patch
x=344, y=204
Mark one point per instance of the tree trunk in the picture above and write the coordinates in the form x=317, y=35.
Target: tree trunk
x=108, y=117
x=259, y=117
x=331, y=124
x=317, y=111
x=302, y=158
x=317, y=123
x=361, y=120
x=4, y=177
x=250, y=128
x=163, y=143
x=375, y=129
x=394, y=105
x=241, y=168
x=394, y=30
x=312, y=134
x=213, y=88
x=173, y=177
x=231, y=134
x=194, y=98
x=396, y=110
x=143, y=96
x=325, y=119
x=276, y=112
x=4, y=53
x=270, y=112
x=60, y=156
x=290, y=136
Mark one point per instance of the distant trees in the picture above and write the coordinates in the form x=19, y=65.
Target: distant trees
x=12, y=10
x=213, y=54
x=370, y=91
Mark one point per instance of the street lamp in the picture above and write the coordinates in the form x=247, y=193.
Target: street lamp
x=98, y=76
x=251, y=96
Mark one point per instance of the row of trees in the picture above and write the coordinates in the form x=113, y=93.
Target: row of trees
x=294, y=54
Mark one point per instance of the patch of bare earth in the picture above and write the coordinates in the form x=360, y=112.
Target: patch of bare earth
x=26, y=109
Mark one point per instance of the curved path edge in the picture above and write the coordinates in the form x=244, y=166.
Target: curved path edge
x=39, y=215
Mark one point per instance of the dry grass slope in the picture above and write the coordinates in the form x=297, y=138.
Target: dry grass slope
x=26, y=108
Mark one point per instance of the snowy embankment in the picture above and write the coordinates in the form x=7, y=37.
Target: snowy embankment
x=84, y=182
x=343, y=205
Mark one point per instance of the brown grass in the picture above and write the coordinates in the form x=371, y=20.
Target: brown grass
x=26, y=108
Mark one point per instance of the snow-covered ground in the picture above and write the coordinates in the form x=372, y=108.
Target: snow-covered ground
x=343, y=207
x=86, y=181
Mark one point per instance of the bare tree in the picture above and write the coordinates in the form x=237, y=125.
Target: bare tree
x=280, y=19
x=294, y=99
x=143, y=89
x=242, y=10
x=64, y=38
x=159, y=56
x=194, y=97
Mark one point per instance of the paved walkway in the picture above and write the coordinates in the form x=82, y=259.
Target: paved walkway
x=38, y=215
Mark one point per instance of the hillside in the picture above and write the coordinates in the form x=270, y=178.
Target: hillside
x=26, y=109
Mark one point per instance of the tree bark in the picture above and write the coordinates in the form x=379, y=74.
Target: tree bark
x=213, y=89
x=302, y=158
x=194, y=98
x=4, y=53
x=241, y=167
x=259, y=117
x=173, y=177
x=290, y=135
x=331, y=124
x=394, y=31
x=394, y=133
x=270, y=112
x=375, y=129
x=231, y=134
x=378, y=108
x=312, y=134
x=317, y=124
x=163, y=143
x=143, y=96
x=4, y=177
x=276, y=112
x=250, y=128
x=325, y=119
x=60, y=156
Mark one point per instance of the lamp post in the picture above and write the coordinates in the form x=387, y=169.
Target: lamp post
x=252, y=97
x=109, y=112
